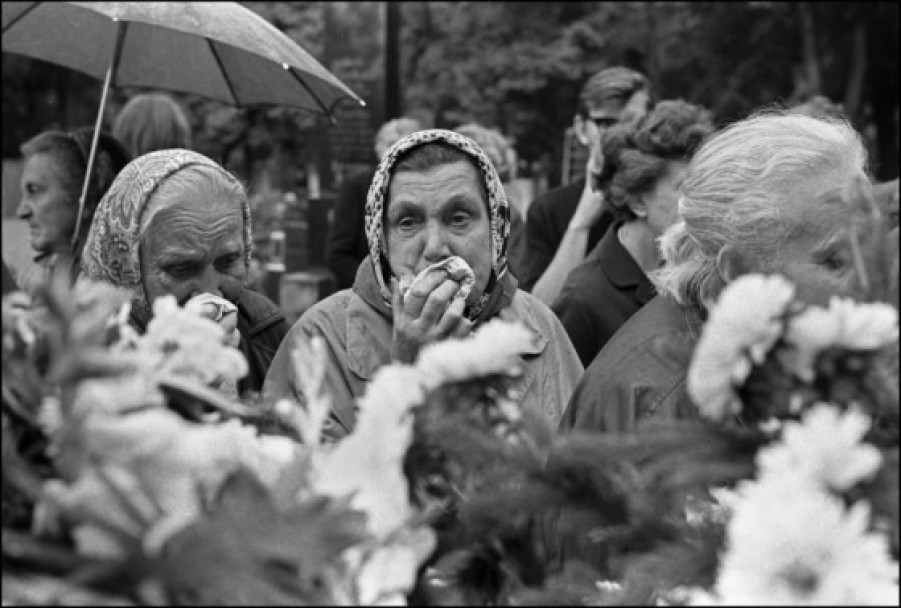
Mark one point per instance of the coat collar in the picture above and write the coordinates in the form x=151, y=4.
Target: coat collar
x=619, y=266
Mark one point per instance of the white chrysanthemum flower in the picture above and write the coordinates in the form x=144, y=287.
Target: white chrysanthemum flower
x=368, y=463
x=825, y=449
x=741, y=329
x=793, y=547
x=845, y=324
x=187, y=344
x=495, y=348
x=172, y=459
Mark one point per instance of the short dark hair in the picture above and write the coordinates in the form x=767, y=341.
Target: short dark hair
x=611, y=83
x=636, y=155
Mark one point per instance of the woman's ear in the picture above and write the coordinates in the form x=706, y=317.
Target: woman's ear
x=733, y=261
x=638, y=208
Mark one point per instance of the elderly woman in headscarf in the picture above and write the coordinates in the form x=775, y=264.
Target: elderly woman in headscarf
x=175, y=222
x=435, y=196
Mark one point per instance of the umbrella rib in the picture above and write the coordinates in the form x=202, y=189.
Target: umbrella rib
x=19, y=18
x=228, y=82
x=328, y=112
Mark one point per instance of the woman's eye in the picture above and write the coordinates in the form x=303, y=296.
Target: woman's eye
x=406, y=223
x=228, y=261
x=179, y=271
x=460, y=218
x=834, y=262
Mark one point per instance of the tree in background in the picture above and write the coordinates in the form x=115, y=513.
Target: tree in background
x=518, y=67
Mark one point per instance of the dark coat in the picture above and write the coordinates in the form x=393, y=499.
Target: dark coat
x=262, y=327
x=600, y=294
x=637, y=375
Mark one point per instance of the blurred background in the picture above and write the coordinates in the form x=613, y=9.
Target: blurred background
x=514, y=66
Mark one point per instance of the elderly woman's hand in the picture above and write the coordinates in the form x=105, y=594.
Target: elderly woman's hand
x=219, y=310
x=427, y=313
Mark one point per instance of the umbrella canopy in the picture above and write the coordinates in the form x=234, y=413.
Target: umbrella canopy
x=218, y=50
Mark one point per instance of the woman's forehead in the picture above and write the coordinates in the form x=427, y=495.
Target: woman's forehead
x=435, y=183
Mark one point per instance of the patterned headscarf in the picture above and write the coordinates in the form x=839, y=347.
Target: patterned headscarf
x=112, y=251
x=498, y=208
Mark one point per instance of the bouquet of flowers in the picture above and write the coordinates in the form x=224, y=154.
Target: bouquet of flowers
x=132, y=475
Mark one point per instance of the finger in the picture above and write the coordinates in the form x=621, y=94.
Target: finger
x=463, y=329
x=420, y=292
x=450, y=319
x=438, y=301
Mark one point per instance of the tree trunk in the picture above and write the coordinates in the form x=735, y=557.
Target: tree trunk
x=857, y=71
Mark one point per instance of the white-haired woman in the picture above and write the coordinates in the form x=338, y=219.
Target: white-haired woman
x=774, y=193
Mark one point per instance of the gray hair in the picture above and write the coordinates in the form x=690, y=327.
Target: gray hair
x=734, y=191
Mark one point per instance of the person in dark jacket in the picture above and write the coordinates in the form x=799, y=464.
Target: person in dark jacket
x=643, y=170
x=563, y=225
x=347, y=244
x=174, y=222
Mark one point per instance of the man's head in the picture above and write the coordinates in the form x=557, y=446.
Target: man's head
x=775, y=193
x=612, y=96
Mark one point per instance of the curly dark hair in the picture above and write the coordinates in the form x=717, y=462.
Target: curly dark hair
x=636, y=154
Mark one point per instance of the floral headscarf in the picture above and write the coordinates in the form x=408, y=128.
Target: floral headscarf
x=498, y=210
x=112, y=250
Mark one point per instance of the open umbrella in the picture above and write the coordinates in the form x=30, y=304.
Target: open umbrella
x=219, y=50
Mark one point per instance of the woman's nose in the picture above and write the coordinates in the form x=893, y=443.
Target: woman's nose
x=436, y=248
x=23, y=211
x=208, y=282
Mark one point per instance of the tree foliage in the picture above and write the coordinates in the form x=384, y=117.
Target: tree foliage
x=519, y=66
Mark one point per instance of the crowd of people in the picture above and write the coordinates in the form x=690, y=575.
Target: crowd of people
x=670, y=210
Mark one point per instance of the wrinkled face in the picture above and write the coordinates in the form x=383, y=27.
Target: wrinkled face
x=195, y=246
x=48, y=208
x=838, y=245
x=436, y=214
x=661, y=202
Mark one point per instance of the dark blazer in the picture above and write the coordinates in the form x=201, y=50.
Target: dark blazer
x=546, y=223
x=600, y=294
